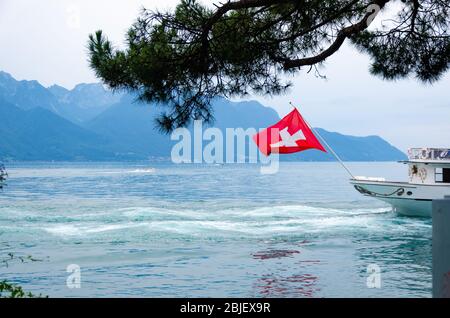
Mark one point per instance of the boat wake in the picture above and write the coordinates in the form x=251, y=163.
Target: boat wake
x=261, y=222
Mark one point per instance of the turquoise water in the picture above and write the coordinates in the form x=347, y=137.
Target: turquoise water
x=163, y=230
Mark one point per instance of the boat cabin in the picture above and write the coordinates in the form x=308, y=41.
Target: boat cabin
x=429, y=165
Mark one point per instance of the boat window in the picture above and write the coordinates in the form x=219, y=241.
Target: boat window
x=442, y=175
x=446, y=175
x=438, y=175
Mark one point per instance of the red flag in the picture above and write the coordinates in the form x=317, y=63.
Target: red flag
x=290, y=134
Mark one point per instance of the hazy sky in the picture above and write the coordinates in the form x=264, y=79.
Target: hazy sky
x=46, y=40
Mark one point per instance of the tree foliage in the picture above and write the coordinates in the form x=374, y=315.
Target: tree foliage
x=183, y=59
x=8, y=290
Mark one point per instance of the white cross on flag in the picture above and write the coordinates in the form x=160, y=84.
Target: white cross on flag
x=290, y=134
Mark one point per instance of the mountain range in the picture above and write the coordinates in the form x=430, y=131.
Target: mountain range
x=91, y=123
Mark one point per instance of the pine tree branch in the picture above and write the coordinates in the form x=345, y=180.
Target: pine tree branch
x=334, y=47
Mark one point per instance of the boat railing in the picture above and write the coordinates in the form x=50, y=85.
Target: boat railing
x=429, y=154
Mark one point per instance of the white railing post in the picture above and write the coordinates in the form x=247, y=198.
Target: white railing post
x=441, y=248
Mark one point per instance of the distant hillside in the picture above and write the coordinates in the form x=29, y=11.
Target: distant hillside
x=131, y=126
x=38, y=134
x=351, y=148
x=90, y=123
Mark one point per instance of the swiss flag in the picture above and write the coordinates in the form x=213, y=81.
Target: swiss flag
x=290, y=134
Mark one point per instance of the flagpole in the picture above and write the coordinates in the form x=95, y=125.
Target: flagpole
x=328, y=146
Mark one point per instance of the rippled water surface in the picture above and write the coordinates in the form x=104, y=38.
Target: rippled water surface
x=162, y=230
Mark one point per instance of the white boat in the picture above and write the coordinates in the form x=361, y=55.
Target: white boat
x=429, y=178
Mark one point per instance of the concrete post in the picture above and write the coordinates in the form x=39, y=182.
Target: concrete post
x=441, y=248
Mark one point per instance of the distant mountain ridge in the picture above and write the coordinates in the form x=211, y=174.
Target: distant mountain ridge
x=26, y=94
x=82, y=103
x=91, y=123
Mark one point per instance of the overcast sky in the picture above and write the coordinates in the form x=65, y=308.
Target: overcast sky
x=46, y=40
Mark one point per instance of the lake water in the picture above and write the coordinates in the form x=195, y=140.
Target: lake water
x=164, y=230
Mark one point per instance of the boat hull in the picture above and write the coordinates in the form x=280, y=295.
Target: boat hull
x=418, y=208
x=405, y=198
